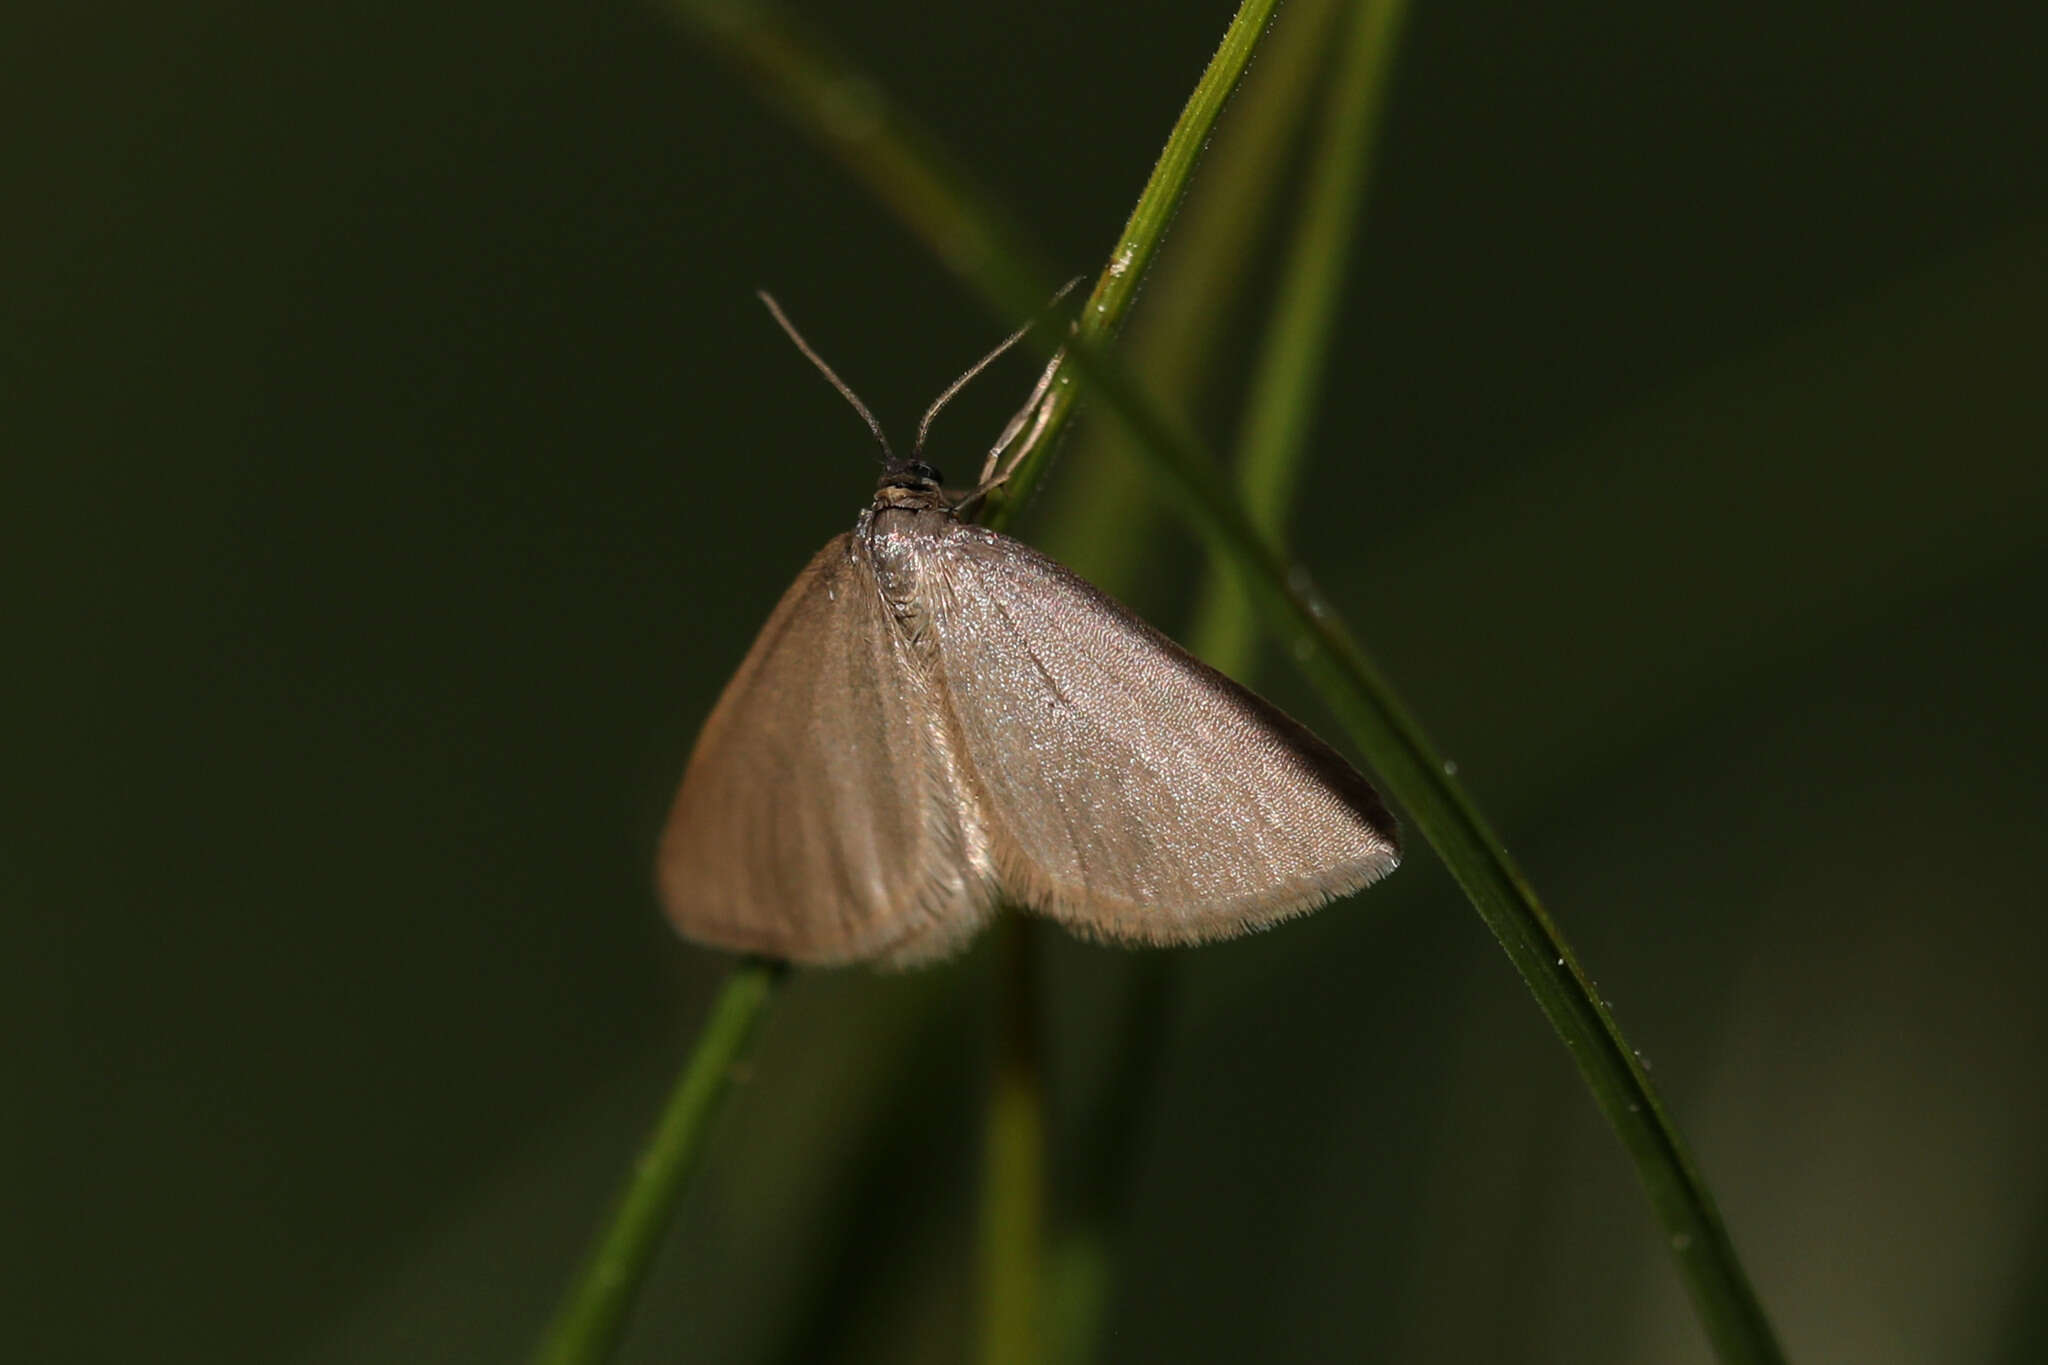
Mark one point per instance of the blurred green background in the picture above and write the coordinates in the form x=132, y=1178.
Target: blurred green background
x=398, y=463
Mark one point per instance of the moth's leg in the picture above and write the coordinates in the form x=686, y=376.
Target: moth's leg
x=1036, y=412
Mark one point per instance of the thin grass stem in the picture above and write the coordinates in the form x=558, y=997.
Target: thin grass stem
x=592, y=1316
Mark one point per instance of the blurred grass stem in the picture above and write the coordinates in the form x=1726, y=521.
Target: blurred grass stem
x=1287, y=382
x=1013, y=1191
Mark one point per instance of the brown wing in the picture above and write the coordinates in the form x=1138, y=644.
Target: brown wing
x=1132, y=791
x=819, y=819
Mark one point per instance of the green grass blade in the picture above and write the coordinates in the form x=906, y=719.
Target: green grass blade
x=1417, y=776
x=592, y=1315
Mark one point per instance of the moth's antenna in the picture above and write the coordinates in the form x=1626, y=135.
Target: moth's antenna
x=845, y=391
x=1011, y=340
x=933, y=411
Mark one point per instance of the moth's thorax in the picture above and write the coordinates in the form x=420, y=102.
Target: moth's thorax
x=902, y=540
x=908, y=518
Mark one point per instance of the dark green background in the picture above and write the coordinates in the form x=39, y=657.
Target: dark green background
x=397, y=463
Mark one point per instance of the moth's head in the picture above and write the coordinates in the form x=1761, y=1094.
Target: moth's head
x=911, y=484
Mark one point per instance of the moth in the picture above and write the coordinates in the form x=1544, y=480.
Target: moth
x=937, y=720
